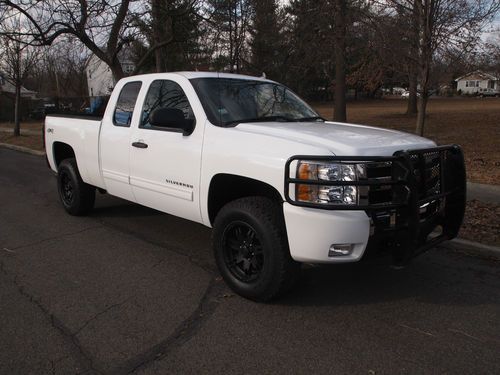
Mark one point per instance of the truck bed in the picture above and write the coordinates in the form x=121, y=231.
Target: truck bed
x=81, y=133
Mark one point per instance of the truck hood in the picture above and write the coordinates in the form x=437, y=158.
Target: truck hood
x=340, y=138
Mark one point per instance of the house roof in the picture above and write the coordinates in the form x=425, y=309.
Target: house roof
x=9, y=88
x=478, y=73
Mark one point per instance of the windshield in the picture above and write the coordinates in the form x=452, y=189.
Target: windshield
x=230, y=101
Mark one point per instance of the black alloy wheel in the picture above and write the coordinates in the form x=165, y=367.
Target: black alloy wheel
x=251, y=248
x=76, y=196
x=243, y=251
x=66, y=189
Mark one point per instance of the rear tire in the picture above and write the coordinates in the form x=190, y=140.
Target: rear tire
x=251, y=249
x=76, y=196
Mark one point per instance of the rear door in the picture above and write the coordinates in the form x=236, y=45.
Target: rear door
x=165, y=164
x=115, y=139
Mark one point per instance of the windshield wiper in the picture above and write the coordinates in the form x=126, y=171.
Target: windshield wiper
x=259, y=119
x=311, y=118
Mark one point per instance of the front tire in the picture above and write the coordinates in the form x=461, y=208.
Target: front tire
x=251, y=249
x=76, y=196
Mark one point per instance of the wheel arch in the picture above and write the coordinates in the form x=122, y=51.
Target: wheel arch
x=61, y=151
x=225, y=188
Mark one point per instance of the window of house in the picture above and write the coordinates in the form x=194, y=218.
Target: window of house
x=126, y=103
x=472, y=83
x=165, y=94
x=128, y=68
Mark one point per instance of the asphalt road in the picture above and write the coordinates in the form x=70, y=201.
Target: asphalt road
x=129, y=289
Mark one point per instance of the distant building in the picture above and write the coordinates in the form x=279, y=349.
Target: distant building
x=7, y=95
x=99, y=77
x=7, y=88
x=476, y=82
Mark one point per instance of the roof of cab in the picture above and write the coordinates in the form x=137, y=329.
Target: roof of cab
x=191, y=75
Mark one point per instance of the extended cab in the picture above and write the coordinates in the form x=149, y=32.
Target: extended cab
x=279, y=184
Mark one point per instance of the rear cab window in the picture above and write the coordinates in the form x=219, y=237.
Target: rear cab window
x=125, y=104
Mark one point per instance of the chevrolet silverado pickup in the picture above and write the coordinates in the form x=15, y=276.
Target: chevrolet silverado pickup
x=278, y=184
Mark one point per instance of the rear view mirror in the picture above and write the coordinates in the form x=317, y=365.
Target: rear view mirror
x=171, y=118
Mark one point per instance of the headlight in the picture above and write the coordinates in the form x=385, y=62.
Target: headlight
x=328, y=193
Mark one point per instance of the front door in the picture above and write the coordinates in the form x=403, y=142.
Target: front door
x=165, y=164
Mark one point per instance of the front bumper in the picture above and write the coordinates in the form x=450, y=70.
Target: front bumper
x=425, y=205
x=311, y=232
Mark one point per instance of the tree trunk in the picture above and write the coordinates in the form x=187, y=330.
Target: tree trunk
x=424, y=91
x=17, y=115
x=158, y=61
x=412, y=64
x=425, y=62
x=157, y=26
x=422, y=107
x=339, y=113
x=116, y=70
x=412, y=89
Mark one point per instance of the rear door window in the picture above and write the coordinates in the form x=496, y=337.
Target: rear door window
x=126, y=103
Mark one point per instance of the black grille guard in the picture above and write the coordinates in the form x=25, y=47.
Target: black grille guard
x=410, y=233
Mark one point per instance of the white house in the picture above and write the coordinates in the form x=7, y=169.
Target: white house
x=477, y=81
x=99, y=77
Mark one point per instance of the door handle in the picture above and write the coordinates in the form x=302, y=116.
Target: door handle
x=140, y=145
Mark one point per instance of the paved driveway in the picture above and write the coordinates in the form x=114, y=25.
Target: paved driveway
x=129, y=289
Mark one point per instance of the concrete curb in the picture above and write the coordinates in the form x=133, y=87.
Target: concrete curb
x=473, y=248
x=483, y=192
x=22, y=149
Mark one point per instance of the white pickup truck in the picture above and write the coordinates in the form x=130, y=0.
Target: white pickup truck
x=280, y=185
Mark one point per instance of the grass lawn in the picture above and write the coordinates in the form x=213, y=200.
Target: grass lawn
x=31, y=141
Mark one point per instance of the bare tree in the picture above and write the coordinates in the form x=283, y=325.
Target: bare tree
x=442, y=25
x=61, y=70
x=17, y=63
x=165, y=24
x=230, y=21
x=99, y=25
x=104, y=27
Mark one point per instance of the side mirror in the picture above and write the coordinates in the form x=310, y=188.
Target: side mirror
x=171, y=118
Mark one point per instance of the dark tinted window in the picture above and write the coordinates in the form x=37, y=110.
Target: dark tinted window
x=126, y=103
x=165, y=94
